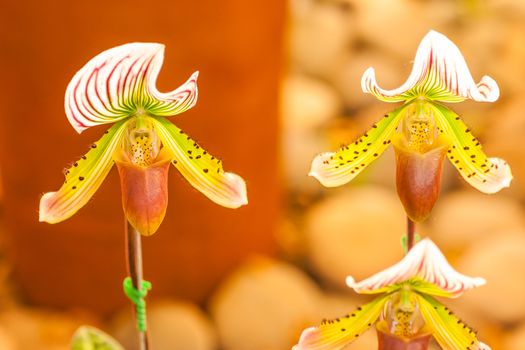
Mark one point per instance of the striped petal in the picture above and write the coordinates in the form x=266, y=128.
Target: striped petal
x=336, y=334
x=334, y=169
x=90, y=338
x=119, y=83
x=488, y=175
x=448, y=330
x=424, y=261
x=83, y=178
x=201, y=169
x=439, y=73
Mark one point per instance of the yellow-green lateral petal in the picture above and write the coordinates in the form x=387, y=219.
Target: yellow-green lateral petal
x=448, y=330
x=336, y=334
x=202, y=170
x=91, y=338
x=334, y=169
x=83, y=178
x=488, y=175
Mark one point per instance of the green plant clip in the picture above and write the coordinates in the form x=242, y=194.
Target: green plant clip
x=404, y=243
x=137, y=297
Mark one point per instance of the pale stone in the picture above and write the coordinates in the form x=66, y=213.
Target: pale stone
x=504, y=139
x=41, y=329
x=6, y=340
x=335, y=305
x=356, y=231
x=307, y=103
x=299, y=150
x=391, y=72
x=500, y=259
x=173, y=325
x=515, y=340
x=320, y=32
x=511, y=8
x=399, y=25
x=264, y=305
x=462, y=217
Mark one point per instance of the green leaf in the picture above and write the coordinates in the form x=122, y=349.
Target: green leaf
x=91, y=338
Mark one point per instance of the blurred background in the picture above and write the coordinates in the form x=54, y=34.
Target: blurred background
x=281, y=81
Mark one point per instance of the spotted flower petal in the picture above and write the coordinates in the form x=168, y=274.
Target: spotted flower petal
x=449, y=331
x=119, y=83
x=336, y=334
x=338, y=168
x=439, y=73
x=201, y=169
x=488, y=175
x=83, y=178
x=424, y=261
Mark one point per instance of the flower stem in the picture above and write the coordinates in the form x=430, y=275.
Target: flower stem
x=411, y=228
x=134, y=265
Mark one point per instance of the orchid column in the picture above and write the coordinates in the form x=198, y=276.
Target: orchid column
x=118, y=87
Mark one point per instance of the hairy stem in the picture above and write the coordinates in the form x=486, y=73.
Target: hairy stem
x=134, y=265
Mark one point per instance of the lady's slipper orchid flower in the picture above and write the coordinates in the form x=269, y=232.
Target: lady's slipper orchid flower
x=406, y=312
x=426, y=130
x=118, y=87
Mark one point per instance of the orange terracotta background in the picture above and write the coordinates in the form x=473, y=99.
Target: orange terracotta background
x=236, y=45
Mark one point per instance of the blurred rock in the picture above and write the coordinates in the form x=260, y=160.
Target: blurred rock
x=307, y=105
x=500, y=259
x=505, y=137
x=391, y=72
x=171, y=325
x=511, y=8
x=481, y=54
x=392, y=24
x=515, y=340
x=335, y=305
x=264, y=305
x=320, y=32
x=355, y=231
x=463, y=217
x=6, y=340
x=40, y=329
